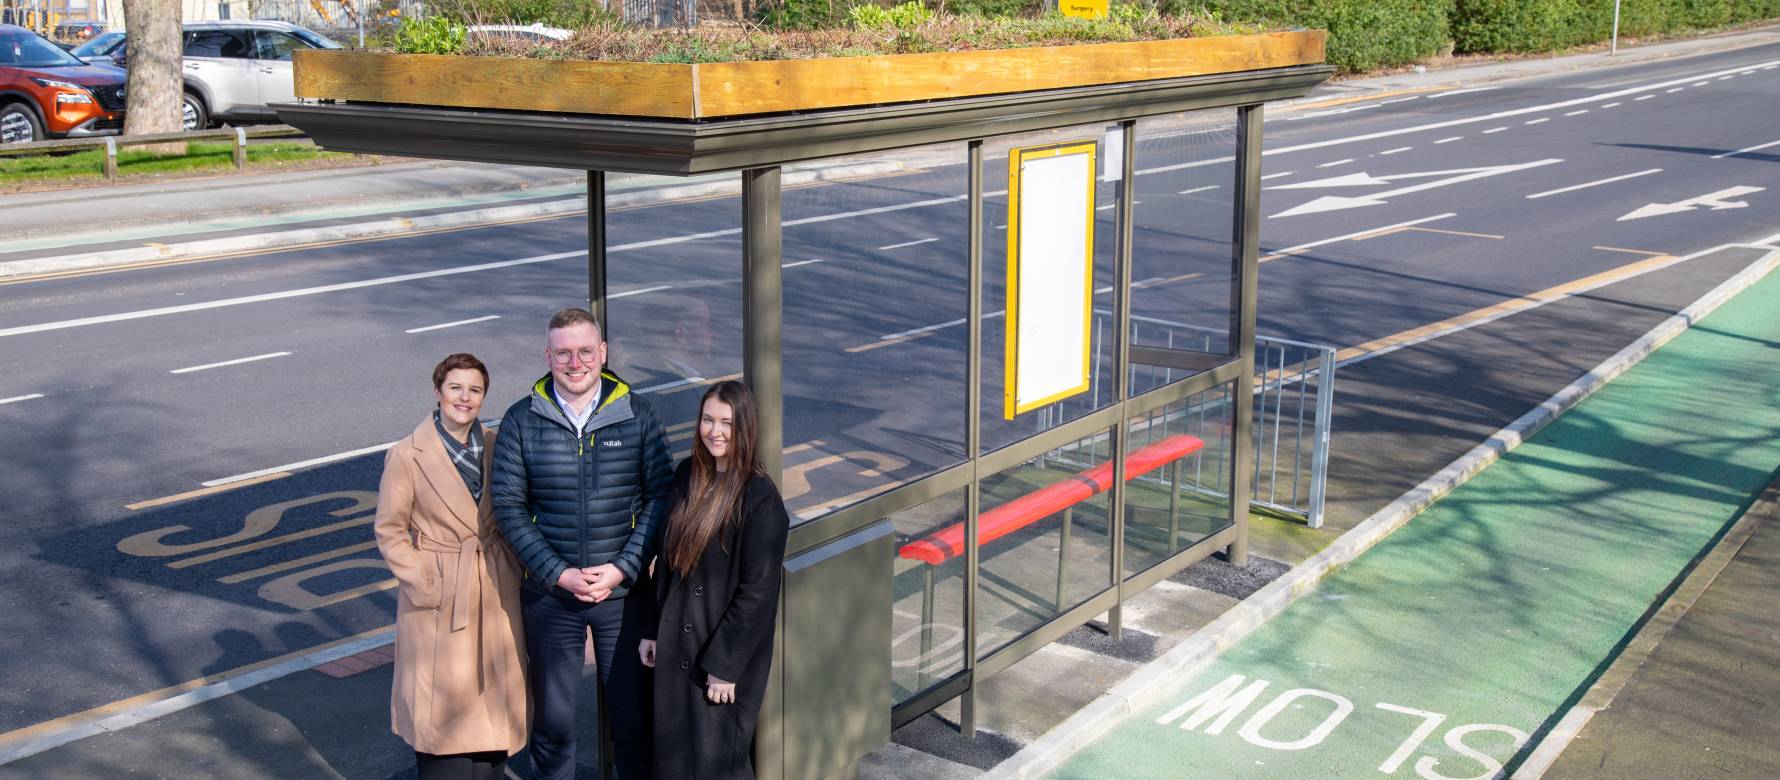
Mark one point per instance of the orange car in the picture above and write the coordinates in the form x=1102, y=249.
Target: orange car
x=46, y=92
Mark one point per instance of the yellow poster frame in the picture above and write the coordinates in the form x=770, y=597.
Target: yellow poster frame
x=1011, y=407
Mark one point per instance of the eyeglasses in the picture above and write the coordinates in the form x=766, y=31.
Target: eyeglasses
x=564, y=357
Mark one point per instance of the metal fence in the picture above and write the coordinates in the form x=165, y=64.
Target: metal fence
x=1294, y=401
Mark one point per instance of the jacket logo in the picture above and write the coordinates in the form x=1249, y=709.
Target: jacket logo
x=612, y=443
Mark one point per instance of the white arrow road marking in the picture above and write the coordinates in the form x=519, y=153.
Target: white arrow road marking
x=1716, y=200
x=1454, y=176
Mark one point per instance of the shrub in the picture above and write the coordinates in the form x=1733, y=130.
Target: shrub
x=906, y=16
x=431, y=35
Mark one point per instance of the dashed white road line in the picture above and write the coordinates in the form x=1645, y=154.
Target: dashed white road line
x=1292, y=250
x=1494, y=130
x=1586, y=185
x=1537, y=121
x=17, y=398
x=1105, y=207
x=444, y=325
x=1673, y=90
x=1700, y=83
x=1450, y=140
x=909, y=243
x=1727, y=78
x=802, y=262
x=1746, y=149
x=1611, y=105
x=628, y=293
x=1198, y=189
x=1335, y=163
x=1276, y=175
x=1395, y=151
x=235, y=362
x=1578, y=112
x=1642, y=97
x=303, y=464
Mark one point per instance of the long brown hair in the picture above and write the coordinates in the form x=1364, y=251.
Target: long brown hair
x=713, y=500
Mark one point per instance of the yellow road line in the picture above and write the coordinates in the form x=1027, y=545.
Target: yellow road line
x=295, y=564
x=1509, y=306
x=16, y=736
x=272, y=542
x=1359, y=98
x=190, y=494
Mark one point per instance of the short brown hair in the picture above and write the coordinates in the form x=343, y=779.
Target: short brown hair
x=575, y=315
x=461, y=360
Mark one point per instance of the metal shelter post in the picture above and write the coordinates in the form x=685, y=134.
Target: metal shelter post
x=973, y=417
x=762, y=370
x=596, y=250
x=1246, y=266
x=1121, y=374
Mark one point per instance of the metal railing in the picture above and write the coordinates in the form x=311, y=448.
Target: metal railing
x=112, y=143
x=1294, y=403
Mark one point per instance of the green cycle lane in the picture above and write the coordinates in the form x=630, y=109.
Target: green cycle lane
x=1440, y=650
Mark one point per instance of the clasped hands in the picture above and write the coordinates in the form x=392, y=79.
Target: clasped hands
x=592, y=584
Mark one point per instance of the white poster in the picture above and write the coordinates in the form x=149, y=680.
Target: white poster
x=1050, y=274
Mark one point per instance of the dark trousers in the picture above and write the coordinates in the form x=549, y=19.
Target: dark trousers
x=555, y=641
x=460, y=766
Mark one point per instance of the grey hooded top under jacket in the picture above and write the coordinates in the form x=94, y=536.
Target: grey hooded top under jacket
x=563, y=500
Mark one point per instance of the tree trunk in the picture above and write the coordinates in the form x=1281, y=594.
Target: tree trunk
x=156, y=86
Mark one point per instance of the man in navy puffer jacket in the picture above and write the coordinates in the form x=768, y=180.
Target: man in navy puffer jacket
x=581, y=485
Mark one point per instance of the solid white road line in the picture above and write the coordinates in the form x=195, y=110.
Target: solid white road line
x=1565, y=104
x=1098, y=208
x=1748, y=149
x=909, y=243
x=940, y=326
x=17, y=398
x=1276, y=175
x=1586, y=185
x=1198, y=189
x=277, y=296
x=235, y=362
x=1314, y=244
x=1335, y=163
x=1395, y=151
x=801, y=262
x=444, y=325
x=298, y=465
x=671, y=385
x=628, y=293
x=1450, y=140
x=1462, y=92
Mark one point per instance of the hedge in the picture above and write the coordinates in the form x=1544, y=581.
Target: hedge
x=1484, y=26
x=1363, y=34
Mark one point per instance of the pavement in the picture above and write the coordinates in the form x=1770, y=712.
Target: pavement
x=330, y=718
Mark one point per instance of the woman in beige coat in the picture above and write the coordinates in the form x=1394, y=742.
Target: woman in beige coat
x=459, y=691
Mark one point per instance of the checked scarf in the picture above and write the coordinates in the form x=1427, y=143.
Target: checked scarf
x=467, y=458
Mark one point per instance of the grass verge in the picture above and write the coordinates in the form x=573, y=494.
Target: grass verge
x=90, y=164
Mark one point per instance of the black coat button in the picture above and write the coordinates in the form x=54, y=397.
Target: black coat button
x=699, y=591
x=686, y=629
x=684, y=665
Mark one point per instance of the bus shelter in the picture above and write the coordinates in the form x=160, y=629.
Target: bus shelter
x=1003, y=346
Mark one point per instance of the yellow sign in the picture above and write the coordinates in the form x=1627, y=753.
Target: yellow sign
x=1083, y=9
x=1050, y=274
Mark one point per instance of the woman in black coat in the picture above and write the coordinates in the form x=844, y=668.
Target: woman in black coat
x=716, y=594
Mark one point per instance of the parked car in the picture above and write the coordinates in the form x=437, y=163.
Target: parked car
x=78, y=32
x=46, y=92
x=234, y=69
x=98, y=49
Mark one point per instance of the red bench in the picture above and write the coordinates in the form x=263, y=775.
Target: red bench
x=948, y=542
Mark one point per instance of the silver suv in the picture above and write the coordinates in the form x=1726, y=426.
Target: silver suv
x=233, y=69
